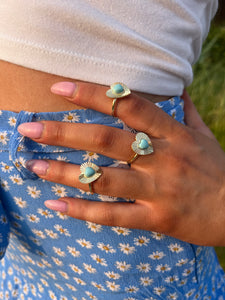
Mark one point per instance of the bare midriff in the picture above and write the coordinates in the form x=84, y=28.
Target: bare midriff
x=27, y=89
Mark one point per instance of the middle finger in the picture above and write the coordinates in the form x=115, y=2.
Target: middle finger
x=110, y=141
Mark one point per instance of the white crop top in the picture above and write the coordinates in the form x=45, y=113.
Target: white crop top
x=148, y=44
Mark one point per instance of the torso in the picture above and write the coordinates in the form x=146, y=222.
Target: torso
x=26, y=89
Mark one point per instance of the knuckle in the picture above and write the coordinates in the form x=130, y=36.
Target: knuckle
x=135, y=106
x=58, y=134
x=103, y=183
x=103, y=139
x=107, y=216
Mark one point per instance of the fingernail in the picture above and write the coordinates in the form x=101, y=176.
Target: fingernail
x=38, y=167
x=57, y=205
x=65, y=89
x=32, y=130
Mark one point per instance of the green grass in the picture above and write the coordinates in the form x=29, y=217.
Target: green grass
x=208, y=90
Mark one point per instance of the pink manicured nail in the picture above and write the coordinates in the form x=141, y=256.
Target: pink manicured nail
x=38, y=167
x=57, y=205
x=32, y=130
x=65, y=89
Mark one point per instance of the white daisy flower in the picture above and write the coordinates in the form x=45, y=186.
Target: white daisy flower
x=4, y=184
x=76, y=269
x=51, y=234
x=89, y=268
x=16, y=179
x=144, y=267
x=122, y=266
x=158, y=236
x=33, y=218
x=190, y=293
x=181, y=262
x=6, y=168
x=182, y=282
x=39, y=233
x=45, y=213
x=175, y=248
x=62, y=230
x=121, y=230
x=171, y=279
x=62, y=158
x=46, y=263
x=59, y=251
x=33, y=192
x=73, y=251
x=91, y=296
x=141, y=241
x=187, y=272
x=156, y=255
x=107, y=248
x=90, y=156
x=63, y=274
x=105, y=198
x=4, y=138
x=112, y=275
x=57, y=261
x=172, y=296
x=20, y=202
x=52, y=295
x=99, y=260
x=71, y=287
x=59, y=191
x=71, y=117
x=163, y=268
x=79, y=281
x=94, y=227
x=126, y=248
x=159, y=290
x=62, y=215
x=112, y=286
x=131, y=289
x=146, y=281
x=100, y=287
x=84, y=243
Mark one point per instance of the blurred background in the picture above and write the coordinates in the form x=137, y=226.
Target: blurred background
x=208, y=88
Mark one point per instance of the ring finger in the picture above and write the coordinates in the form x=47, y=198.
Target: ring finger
x=117, y=182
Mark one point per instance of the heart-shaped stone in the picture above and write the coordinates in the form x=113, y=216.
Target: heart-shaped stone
x=143, y=144
x=89, y=171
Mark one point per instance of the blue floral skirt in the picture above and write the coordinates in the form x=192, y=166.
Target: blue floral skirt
x=47, y=255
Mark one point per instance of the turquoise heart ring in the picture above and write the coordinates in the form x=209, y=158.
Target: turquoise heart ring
x=117, y=90
x=141, y=146
x=89, y=173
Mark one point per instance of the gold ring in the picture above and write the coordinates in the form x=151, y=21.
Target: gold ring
x=141, y=146
x=117, y=90
x=89, y=173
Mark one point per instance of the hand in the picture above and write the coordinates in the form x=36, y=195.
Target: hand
x=179, y=189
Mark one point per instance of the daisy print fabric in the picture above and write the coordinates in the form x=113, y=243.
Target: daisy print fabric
x=47, y=255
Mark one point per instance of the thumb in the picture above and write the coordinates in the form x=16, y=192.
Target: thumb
x=192, y=117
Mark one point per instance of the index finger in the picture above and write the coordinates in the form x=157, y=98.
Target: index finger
x=137, y=112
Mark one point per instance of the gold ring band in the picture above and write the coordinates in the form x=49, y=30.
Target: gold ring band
x=113, y=107
x=135, y=156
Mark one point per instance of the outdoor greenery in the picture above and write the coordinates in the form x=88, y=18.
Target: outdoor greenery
x=208, y=90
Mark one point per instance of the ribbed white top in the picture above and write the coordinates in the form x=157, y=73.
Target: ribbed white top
x=148, y=44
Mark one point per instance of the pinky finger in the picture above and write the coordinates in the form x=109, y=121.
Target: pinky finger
x=128, y=215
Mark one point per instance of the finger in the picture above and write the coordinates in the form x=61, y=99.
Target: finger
x=130, y=215
x=192, y=117
x=135, y=111
x=110, y=141
x=116, y=182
